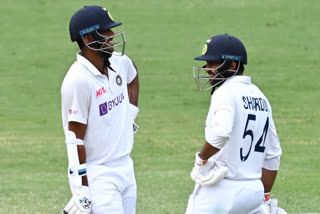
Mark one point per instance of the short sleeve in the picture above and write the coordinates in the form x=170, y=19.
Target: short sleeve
x=132, y=72
x=219, y=121
x=273, y=151
x=75, y=94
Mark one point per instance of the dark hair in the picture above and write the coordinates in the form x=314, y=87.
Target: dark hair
x=241, y=68
x=80, y=43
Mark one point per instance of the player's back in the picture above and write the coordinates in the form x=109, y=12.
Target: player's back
x=250, y=115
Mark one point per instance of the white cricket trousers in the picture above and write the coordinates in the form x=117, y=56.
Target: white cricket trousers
x=112, y=186
x=227, y=197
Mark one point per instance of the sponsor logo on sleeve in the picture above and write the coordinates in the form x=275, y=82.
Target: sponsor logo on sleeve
x=72, y=111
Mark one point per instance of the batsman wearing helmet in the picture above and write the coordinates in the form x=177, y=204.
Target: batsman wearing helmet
x=239, y=161
x=99, y=105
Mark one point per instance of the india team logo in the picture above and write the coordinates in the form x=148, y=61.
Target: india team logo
x=205, y=47
x=204, y=50
x=118, y=80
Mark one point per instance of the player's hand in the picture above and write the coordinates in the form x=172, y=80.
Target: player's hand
x=133, y=112
x=135, y=128
x=80, y=202
x=270, y=206
x=208, y=172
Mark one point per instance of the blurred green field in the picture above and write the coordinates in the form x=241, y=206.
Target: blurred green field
x=282, y=40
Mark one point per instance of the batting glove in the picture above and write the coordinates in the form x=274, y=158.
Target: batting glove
x=208, y=172
x=270, y=206
x=135, y=128
x=80, y=202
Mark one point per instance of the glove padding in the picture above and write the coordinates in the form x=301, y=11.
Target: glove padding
x=133, y=112
x=208, y=172
x=80, y=202
x=270, y=206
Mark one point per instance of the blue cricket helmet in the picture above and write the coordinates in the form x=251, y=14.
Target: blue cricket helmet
x=223, y=47
x=89, y=19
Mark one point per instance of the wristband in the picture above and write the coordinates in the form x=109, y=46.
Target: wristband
x=266, y=196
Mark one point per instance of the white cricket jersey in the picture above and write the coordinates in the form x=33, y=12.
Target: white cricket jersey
x=102, y=103
x=240, y=124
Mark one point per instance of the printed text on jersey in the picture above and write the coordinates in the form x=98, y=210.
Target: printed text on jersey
x=257, y=104
x=106, y=107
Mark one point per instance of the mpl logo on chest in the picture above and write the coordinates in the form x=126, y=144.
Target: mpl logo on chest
x=100, y=92
x=106, y=107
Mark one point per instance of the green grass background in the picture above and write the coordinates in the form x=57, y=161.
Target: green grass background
x=282, y=41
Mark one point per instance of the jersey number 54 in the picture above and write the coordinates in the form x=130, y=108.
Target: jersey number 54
x=259, y=146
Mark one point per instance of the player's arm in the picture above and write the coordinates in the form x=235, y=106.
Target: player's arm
x=271, y=162
x=80, y=201
x=268, y=177
x=269, y=171
x=218, y=126
x=208, y=171
x=133, y=93
x=269, y=205
x=207, y=151
x=80, y=129
x=133, y=88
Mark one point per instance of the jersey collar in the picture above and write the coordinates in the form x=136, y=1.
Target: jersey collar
x=87, y=64
x=241, y=78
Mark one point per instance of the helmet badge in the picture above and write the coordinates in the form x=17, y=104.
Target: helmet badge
x=205, y=47
x=204, y=50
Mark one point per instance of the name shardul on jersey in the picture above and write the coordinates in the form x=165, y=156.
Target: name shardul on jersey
x=257, y=104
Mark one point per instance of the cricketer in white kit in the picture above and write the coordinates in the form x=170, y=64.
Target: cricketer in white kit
x=241, y=155
x=98, y=117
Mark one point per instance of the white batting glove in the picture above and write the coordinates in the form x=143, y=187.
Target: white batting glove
x=133, y=112
x=135, y=128
x=270, y=206
x=80, y=202
x=208, y=172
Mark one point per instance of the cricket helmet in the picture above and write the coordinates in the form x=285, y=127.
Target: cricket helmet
x=222, y=48
x=89, y=19
x=93, y=20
